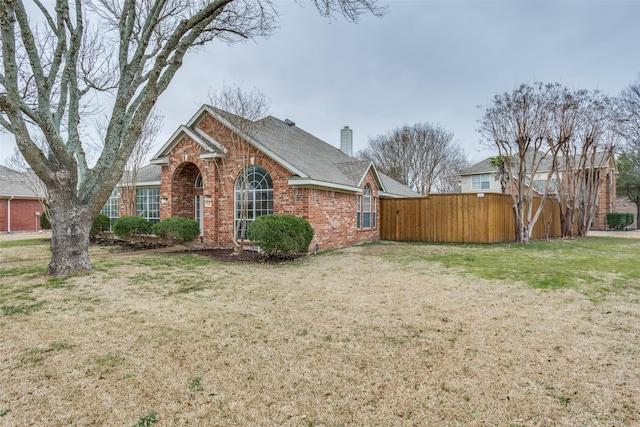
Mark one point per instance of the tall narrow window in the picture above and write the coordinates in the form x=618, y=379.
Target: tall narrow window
x=148, y=204
x=253, y=198
x=359, y=212
x=366, y=208
x=373, y=212
x=110, y=208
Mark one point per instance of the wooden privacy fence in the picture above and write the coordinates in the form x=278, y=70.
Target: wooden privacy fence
x=459, y=218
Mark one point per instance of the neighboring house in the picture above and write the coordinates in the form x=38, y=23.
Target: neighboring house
x=201, y=170
x=483, y=178
x=624, y=205
x=21, y=201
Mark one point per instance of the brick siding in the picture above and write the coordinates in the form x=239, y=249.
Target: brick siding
x=23, y=215
x=331, y=214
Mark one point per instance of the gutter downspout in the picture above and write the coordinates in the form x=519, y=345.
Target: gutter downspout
x=9, y=214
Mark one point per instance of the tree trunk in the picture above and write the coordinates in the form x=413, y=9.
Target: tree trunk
x=566, y=221
x=517, y=222
x=70, y=226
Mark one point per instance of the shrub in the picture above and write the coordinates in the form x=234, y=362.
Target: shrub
x=618, y=220
x=100, y=224
x=281, y=235
x=45, y=224
x=129, y=226
x=177, y=229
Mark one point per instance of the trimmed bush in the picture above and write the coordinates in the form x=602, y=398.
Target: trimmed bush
x=45, y=224
x=280, y=235
x=130, y=226
x=181, y=230
x=618, y=220
x=100, y=224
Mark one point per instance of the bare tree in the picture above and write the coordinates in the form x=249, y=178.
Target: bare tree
x=628, y=183
x=139, y=156
x=629, y=114
x=423, y=156
x=583, y=131
x=566, y=116
x=559, y=143
x=597, y=140
x=447, y=177
x=57, y=59
x=242, y=110
x=515, y=124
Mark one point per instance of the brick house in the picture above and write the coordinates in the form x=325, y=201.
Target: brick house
x=21, y=201
x=205, y=168
x=482, y=178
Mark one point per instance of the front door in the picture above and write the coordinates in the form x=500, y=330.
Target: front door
x=198, y=214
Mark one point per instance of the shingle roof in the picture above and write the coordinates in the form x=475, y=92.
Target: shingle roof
x=484, y=166
x=304, y=155
x=481, y=167
x=319, y=160
x=19, y=184
x=150, y=174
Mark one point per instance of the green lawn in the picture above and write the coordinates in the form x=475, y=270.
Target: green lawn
x=594, y=263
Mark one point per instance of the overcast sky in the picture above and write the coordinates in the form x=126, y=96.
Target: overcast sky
x=425, y=61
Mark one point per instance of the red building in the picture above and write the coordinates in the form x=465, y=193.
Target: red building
x=21, y=201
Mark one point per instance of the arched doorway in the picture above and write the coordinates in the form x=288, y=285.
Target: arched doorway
x=187, y=193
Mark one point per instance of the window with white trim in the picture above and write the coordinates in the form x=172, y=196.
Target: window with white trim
x=366, y=207
x=253, y=198
x=148, y=204
x=481, y=182
x=110, y=208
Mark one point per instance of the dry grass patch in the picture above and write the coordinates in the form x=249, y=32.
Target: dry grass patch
x=370, y=335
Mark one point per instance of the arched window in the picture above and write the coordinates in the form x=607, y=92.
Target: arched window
x=366, y=208
x=198, y=183
x=253, y=197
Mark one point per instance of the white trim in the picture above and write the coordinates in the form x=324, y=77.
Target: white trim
x=175, y=138
x=141, y=184
x=209, y=156
x=312, y=183
x=162, y=161
x=382, y=194
x=376, y=176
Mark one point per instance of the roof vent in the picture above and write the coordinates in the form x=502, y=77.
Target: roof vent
x=289, y=122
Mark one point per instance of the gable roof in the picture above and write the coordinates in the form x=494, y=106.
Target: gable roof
x=311, y=161
x=484, y=166
x=211, y=147
x=21, y=185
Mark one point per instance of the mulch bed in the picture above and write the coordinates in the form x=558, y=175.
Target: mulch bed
x=225, y=255
x=140, y=244
x=246, y=256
